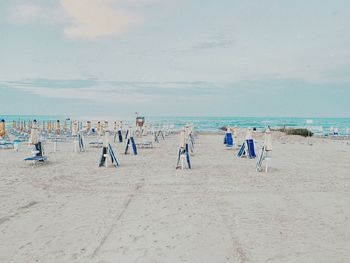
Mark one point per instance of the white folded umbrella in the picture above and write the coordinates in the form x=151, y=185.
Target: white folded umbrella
x=249, y=134
x=268, y=140
x=106, y=139
x=34, y=139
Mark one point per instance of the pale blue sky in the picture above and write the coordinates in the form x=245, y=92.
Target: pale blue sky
x=167, y=57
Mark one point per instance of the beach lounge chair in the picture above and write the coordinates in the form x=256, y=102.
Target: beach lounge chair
x=120, y=135
x=6, y=144
x=38, y=154
x=247, y=149
x=131, y=142
x=108, y=151
x=157, y=134
x=241, y=152
x=96, y=144
x=145, y=144
x=79, y=142
x=183, y=152
x=126, y=134
x=261, y=158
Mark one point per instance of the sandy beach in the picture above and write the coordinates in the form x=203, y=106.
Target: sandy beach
x=222, y=210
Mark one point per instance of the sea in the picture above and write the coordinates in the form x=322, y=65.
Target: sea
x=211, y=124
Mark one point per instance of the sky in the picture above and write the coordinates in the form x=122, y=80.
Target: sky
x=175, y=57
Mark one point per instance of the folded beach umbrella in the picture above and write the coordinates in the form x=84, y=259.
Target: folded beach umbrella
x=2, y=128
x=183, y=138
x=106, y=139
x=88, y=126
x=75, y=128
x=248, y=135
x=183, y=152
x=189, y=137
x=49, y=126
x=58, y=127
x=14, y=125
x=65, y=126
x=34, y=138
x=234, y=132
x=266, y=148
x=99, y=130
x=106, y=127
x=268, y=140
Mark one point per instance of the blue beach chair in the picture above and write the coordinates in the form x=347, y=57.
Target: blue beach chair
x=120, y=135
x=251, y=149
x=6, y=145
x=183, y=152
x=39, y=154
x=131, y=142
x=105, y=152
x=228, y=140
x=247, y=149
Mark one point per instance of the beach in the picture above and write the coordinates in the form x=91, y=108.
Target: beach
x=222, y=210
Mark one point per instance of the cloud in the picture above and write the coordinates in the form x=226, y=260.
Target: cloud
x=219, y=41
x=96, y=18
x=80, y=19
x=112, y=91
x=34, y=12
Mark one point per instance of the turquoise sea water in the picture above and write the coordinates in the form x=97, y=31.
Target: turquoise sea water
x=214, y=123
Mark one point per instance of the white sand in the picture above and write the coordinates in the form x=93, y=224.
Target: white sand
x=69, y=210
